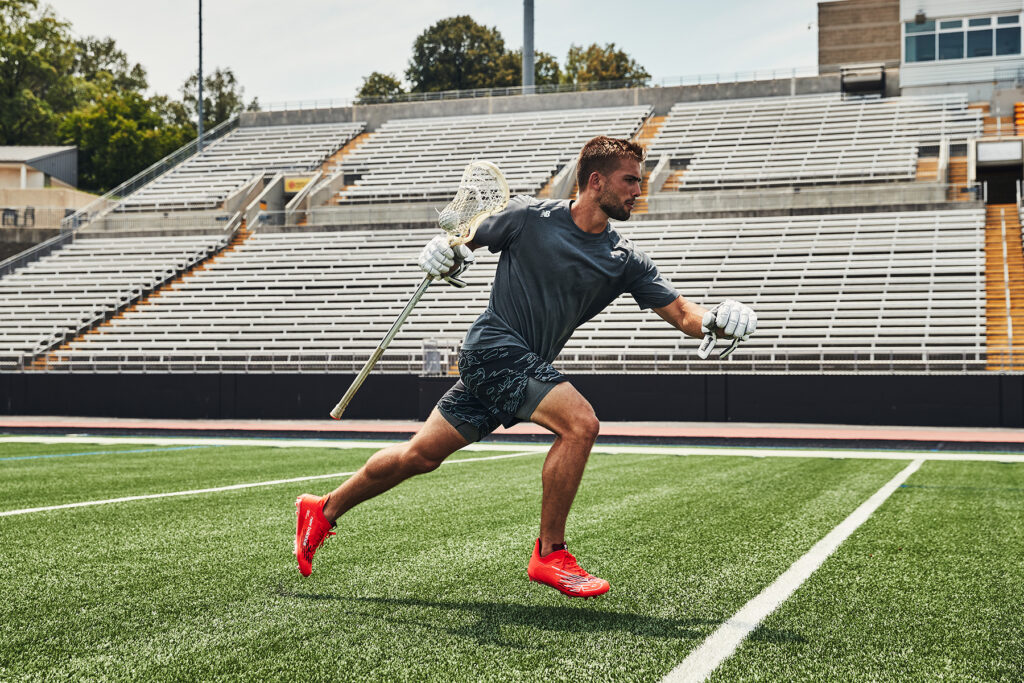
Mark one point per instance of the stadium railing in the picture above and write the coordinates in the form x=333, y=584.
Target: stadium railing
x=980, y=362
x=39, y=217
x=175, y=223
x=808, y=196
x=36, y=252
x=674, y=81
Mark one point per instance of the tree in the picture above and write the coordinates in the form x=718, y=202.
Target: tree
x=223, y=97
x=37, y=56
x=510, y=69
x=455, y=54
x=55, y=90
x=99, y=59
x=379, y=87
x=121, y=134
x=595, y=64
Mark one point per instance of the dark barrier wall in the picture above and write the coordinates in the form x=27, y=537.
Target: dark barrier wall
x=942, y=400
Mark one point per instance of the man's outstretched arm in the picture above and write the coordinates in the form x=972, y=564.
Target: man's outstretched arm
x=683, y=315
x=729, y=319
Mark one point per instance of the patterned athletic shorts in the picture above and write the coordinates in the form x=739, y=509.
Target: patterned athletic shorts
x=501, y=385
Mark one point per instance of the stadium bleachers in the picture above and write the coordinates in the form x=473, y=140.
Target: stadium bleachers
x=58, y=293
x=423, y=159
x=784, y=141
x=853, y=289
x=204, y=180
x=869, y=288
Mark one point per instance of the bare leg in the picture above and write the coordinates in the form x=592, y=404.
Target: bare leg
x=570, y=416
x=387, y=468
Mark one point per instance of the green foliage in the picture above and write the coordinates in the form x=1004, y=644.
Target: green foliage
x=223, y=97
x=595, y=64
x=120, y=134
x=459, y=54
x=37, y=55
x=455, y=54
x=510, y=70
x=58, y=90
x=98, y=62
x=379, y=86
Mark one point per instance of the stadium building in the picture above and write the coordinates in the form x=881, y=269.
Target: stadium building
x=869, y=211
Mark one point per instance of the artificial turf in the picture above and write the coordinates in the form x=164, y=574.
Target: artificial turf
x=424, y=583
x=931, y=587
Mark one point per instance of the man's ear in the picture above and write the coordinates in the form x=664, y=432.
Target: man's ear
x=595, y=180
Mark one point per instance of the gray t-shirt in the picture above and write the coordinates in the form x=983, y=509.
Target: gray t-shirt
x=552, y=277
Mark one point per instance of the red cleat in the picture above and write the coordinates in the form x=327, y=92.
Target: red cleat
x=312, y=530
x=560, y=570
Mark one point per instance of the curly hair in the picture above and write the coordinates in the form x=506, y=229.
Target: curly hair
x=602, y=154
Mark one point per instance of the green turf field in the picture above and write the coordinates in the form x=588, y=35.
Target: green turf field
x=428, y=581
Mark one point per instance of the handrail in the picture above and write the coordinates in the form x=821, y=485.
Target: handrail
x=942, y=169
x=659, y=174
x=35, y=252
x=761, y=362
x=672, y=81
x=98, y=207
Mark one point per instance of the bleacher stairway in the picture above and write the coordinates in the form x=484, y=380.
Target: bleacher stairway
x=334, y=162
x=645, y=136
x=1004, y=288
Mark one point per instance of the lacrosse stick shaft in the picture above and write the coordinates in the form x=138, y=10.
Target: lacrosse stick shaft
x=379, y=351
x=709, y=342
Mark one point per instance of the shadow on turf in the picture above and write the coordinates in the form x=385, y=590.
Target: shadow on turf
x=491, y=616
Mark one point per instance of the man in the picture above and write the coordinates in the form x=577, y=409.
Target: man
x=561, y=264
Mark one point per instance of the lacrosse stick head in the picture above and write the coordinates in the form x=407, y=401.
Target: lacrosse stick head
x=483, y=192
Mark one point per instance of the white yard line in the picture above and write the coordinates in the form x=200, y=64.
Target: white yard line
x=232, y=487
x=721, y=644
x=745, y=452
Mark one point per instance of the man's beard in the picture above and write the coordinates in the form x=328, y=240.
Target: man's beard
x=607, y=203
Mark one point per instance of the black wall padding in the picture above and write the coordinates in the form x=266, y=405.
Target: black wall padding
x=933, y=400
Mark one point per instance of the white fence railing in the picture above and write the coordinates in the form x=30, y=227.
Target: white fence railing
x=1009, y=360
x=668, y=82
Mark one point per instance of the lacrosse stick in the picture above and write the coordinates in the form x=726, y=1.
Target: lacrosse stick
x=483, y=192
x=708, y=344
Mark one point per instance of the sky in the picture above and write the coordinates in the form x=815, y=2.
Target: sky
x=307, y=50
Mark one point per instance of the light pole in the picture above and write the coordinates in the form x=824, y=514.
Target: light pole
x=200, y=103
x=528, y=81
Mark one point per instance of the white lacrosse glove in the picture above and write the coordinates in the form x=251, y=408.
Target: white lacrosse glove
x=729, y=319
x=440, y=260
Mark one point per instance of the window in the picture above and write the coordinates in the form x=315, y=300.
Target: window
x=979, y=43
x=962, y=38
x=926, y=27
x=951, y=45
x=1008, y=41
x=921, y=48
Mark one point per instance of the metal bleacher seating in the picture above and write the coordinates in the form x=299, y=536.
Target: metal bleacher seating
x=83, y=281
x=813, y=139
x=872, y=290
x=203, y=181
x=838, y=291
x=423, y=159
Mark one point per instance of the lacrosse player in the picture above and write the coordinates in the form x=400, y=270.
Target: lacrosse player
x=561, y=264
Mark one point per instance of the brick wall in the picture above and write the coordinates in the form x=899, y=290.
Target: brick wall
x=855, y=31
